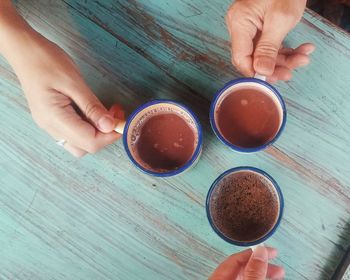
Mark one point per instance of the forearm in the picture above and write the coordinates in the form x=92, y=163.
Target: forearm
x=16, y=36
x=23, y=47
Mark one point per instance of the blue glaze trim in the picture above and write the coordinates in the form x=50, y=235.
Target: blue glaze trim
x=279, y=193
x=216, y=99
x=196, y=153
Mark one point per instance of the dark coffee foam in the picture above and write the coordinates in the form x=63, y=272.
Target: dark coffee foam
x=244, y=206
x=248, y=117
x=164, y=139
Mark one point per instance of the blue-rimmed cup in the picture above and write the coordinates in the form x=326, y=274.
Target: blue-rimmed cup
x=214, y=202
x=132, y=130
x=259, y=86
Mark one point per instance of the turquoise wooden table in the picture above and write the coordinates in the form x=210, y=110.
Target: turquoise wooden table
x=100, y=218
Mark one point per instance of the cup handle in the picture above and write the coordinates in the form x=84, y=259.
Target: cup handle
x=254, y=246
x=260, y=77
x=119, y=128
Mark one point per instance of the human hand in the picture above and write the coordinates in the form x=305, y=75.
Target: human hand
x=60, y=101
x=56, y=92
x=257, y=29
x=249, y=265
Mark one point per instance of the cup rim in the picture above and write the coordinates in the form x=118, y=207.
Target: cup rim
x=280, y=214
x=216, y=99
x=188, y=163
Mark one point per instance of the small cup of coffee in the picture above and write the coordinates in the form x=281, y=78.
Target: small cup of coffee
x=162, y=138
x=248, y=114
x=244, y=206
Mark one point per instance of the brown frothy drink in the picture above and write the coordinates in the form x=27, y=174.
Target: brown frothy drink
x=165, y=141
x=248, y=118
x=244, y=206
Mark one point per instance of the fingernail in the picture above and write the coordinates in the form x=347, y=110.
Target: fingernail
x=106, y=123
x=260, y=253
x=311, y=50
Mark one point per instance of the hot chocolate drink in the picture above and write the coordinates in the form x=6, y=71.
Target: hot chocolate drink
x=244, y=206
x=248, y=118
x=164, y=141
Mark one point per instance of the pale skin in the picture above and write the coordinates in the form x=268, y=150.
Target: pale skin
x=249, y=265
x=257, y=29
x=52, y=85
x=54, y=88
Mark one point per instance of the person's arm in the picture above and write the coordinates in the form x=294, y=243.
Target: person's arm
x=257, y=29
x=53, y=86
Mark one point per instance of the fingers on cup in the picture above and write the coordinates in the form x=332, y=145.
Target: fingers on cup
x=272, y=252
x=231, y=267
x=256, y=268
x=83, y=135
x=242, y=35
x=280, y=73
x=246, y=254
x=92, y=143
x=289, y=59
x=293, y=60
x=306, y=48
x=275, y=272
x=95, y=140
x=117, y=112
x=91, y=107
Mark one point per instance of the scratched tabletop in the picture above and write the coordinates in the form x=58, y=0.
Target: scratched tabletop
x=100, y=218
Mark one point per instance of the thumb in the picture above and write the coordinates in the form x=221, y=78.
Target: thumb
x=273, y=33
x=93, y=110
x=100, y=117
x=256, y=268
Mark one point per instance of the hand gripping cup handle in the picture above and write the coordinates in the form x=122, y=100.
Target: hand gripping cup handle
x=134, y=126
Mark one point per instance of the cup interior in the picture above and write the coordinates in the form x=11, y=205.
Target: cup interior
x=247, y=84
x=134, y=130
x=215, y=191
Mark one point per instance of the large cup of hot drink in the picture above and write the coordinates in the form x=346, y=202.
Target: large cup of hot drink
x=162, y=138
x=248, y=114
x=244, y=206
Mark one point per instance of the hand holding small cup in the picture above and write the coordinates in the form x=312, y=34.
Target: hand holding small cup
x=249, y=265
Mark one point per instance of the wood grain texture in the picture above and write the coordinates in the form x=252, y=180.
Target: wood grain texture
x=99, y=218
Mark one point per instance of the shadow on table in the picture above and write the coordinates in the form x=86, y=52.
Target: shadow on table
x=337, y=253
